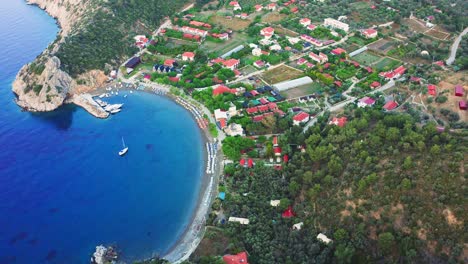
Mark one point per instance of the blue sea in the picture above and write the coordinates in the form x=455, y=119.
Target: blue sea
x=64, y=189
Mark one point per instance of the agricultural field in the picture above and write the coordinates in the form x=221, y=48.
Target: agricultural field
x=415, y=25
x=301, y=90
x=233, y=23
x=350, y=47
x=438, y=33
x=284, y=31
x=381, y=46
x=273, y=17
x=386, y=64
x=223, y=47
x=280, y=74
x=366, y=58
x=360, y=5
x=446, y=88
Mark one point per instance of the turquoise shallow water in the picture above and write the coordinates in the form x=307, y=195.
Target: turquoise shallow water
x=64, y=189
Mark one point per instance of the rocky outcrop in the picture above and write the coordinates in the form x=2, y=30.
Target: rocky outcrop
x=41, y=86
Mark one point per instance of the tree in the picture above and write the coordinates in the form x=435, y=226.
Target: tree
x=344, y=253
x=386, y=242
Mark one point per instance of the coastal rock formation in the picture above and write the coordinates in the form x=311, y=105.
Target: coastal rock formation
x=86, y=101
x=41, y=85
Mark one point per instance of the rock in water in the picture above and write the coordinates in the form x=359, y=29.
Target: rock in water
x=42, y=86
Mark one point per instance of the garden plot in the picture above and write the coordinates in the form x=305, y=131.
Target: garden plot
x=280, y=74
x=366, y=58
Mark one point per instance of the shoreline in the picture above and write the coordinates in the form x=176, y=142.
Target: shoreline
x=194, y=230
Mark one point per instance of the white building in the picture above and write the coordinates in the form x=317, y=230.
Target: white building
x=336, y=24
x=256, y=52
x=220, y=114
x=242, y=221
x=298, y=226
x=234, y=130
x=275, y=47
x=323, y=238
x=275, y=203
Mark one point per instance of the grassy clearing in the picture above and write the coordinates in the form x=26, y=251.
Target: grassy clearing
x=301, y=90
x=360, y=5
x=273, y=17
x=221, y=48
x=386, y=64
x=366, y=58
x=235, y=24
x=281, y=73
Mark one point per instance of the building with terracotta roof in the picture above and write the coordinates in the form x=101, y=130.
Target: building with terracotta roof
x=311, y=27
x=311, y=40
x=267, y=32
x=304, y=21
x=301, y=117
x=221, y=89
x=240, y=258
x=188, y=56
x=288, y=213
x=338, y=51
x=462, y=105
x=258, y=8
x=390, y=105
x=397, y=73
x=320, y=58
x=271, y=6
x=375, y=84
x=341, y=121
x=194, y=31
x=366, y=101
x=231, y=63
x=432, y=89
x=169, y=62
x=459, y=91
x=369, y=33
x=335, y=24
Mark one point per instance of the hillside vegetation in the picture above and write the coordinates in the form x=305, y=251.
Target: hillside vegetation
x=104, y=37
x=383, y=188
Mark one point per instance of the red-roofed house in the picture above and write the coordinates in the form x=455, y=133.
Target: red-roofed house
x=223, y=89
x=174, y=79
x=321, y=58
x=366, y=101
x=240, y=258
x=277, y=151
x=254, y=92
x=300, y=118
x=338, y=51
x=294, y=10
x=304, y=21
x=415, y=79
x=244, y=16
x=188, y=56
x=390, y=105
x=341, y=122
x=311, y=27
x=375, y=84
x=271, y=6
x=462, y=105
x=370, y=33
x=440, y=63
x=235, y=5
x=431, y=89
x=169, y=62
x=263, y=108
x=196, y=23
x=301, y=61
x=288, y=213
x=338, y=83
x=258, y=8
x=267, y=32
x=242, y=162
x=393, y=74
x=250, y=163
x=252, y=110
x=222, y=123
x=259, y=64
x=275, y=141
x=459, y=91
x=257, y=118
x=231, y=63
x=263, y=101
x=285, y=158
x=272, y=106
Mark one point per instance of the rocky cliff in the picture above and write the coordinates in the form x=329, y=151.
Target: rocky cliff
x=41, y=85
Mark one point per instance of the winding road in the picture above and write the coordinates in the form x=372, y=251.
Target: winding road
x=453, y=49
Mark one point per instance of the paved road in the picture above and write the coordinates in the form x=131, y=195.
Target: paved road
x=453, y=49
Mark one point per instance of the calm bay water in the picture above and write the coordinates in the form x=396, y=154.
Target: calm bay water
x=64, y=189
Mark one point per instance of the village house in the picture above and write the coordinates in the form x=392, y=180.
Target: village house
x=221, y=89
x=462, y=105
x=304, y=22
x=390, y=105
x=275, y=203
x=240, y=220
x=369, y=33
x=240, y=258
x=257, y=52
x=300, y=118
x=258, y=8
x=231, y=64
x=432, y=89
x=397, y=73
x=366, y=101
x=293, y=40
x=199, y=24
x=312, y=40
x=335, y=24
x=188, y=56
x=259, y=64
x=311, y=27
x=169, y=62
x=235, y=5
x=459, y=91
x=341, y=121
x=271, y=6
x=321, y=58
x=222, y=36
x=375, y=84
x=194, y=31
x=323, y=238
x=275, y=47
x=234, y=130
x=267, y=32
x=338, y=51
x=298, y=226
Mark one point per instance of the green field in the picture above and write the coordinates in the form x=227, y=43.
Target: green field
x=386, y=64
x=221, y=48
x=360, y=5
x=302, y=90
x=366, y=58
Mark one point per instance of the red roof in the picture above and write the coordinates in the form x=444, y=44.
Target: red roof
x=369, y=31
x=222, y=122
x=415, y=79
x=240, y=258
x=223, y=89
x=288, y=213
x=242, y=162
x=231, y=62
x=285, y=158
x=400, y=70
x=440, y=63
x=390, y=105
x=250, y=163
x=272, y=106
x=174, y=79
x=462, y=105
x=431, y=89
x=257, y=118
x=233, y=3
x=252, y=110
x=263, y=100
x=341, y=122
x=459, y=91
x=169, y=62
x=375, y=84
x=338, y=51
x=338, y=83
x=301, y=116
x=277, y=150
x=275, y=140
x=188, y=54
x=263, y=108
x=294, y=9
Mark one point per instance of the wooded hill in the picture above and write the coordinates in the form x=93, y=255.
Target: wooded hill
x=384, y=188
x=104, y=37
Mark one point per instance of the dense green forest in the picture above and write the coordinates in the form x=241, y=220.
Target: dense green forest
x=384, y=188
x=105, y=36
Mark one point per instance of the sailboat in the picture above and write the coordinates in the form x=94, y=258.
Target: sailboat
x=124, y=150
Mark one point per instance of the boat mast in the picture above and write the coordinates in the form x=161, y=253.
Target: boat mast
x=123, y=142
